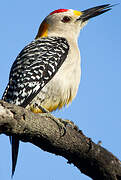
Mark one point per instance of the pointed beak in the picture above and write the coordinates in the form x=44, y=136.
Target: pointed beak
x=95, y=11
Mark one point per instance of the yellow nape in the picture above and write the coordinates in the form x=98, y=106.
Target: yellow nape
x=77, y=13
x=43, y=30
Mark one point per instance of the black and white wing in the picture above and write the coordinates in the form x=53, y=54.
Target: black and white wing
x=34, y=67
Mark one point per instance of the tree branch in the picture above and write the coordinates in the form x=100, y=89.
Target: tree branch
x=41, y=130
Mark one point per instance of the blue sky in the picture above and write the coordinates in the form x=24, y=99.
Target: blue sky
x=97, y=107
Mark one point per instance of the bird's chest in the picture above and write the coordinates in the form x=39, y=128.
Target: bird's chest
x=62, y=88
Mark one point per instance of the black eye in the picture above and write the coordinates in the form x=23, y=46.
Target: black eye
x=66, y=19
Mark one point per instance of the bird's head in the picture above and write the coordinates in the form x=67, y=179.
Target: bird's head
x=67, y=22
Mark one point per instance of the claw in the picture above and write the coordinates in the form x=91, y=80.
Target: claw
x=60, y=122
x=69, y=123
x=43, y=109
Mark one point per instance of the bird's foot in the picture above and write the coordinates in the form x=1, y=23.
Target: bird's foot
x=40, y=109
x=67, y=122
x=62, y=123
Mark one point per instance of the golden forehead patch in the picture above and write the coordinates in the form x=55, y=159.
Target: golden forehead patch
x=77, y=13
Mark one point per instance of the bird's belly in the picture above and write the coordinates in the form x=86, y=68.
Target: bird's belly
x=59, y=91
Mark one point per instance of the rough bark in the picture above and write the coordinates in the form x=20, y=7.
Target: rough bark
x=42, y=131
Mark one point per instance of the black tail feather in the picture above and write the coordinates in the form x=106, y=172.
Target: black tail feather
x=15, y=147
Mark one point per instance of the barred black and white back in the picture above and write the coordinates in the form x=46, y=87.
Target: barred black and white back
x=34, y=67
x=36, y=64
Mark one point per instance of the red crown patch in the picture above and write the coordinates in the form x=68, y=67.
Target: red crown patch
x=58, y=11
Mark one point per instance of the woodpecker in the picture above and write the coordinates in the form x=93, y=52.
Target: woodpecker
x=47, y=71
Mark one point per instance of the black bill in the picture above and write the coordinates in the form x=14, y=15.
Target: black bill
x=95, y=11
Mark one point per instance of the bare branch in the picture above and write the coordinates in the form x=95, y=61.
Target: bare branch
x=40, y=129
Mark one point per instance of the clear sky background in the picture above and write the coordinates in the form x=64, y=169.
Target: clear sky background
x=97, y=107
